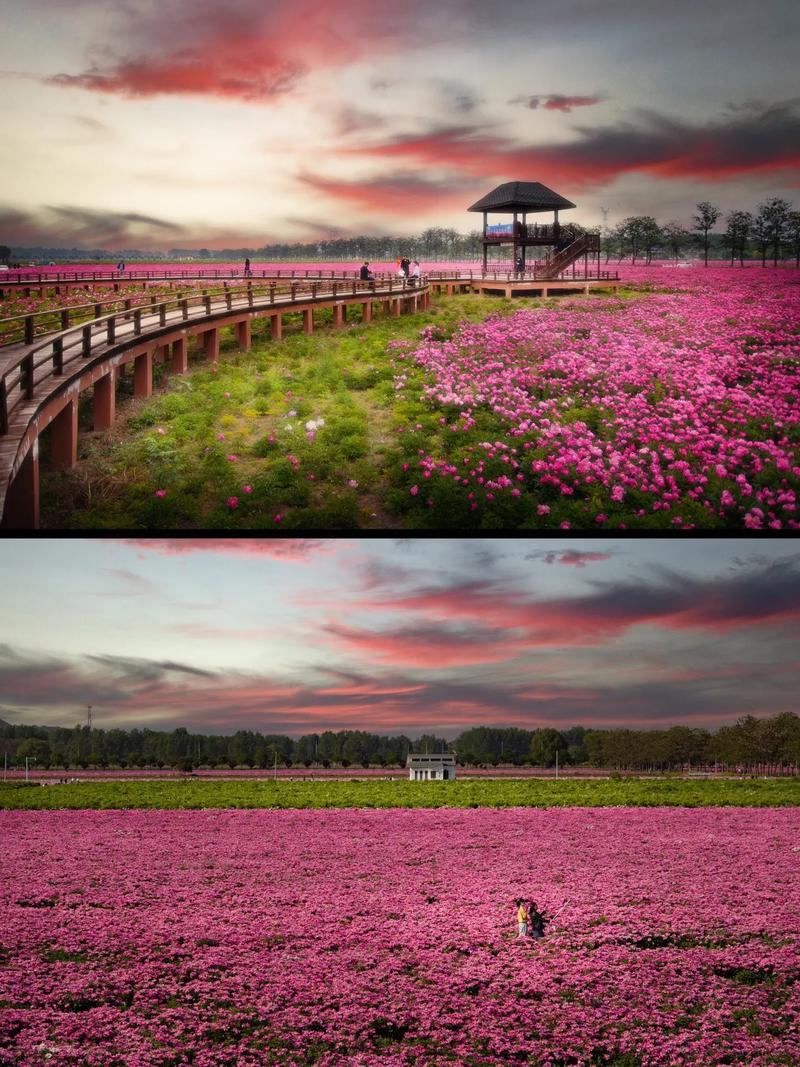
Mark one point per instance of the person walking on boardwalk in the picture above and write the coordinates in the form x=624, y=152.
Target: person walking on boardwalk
x=365, y=273
x=247, y=271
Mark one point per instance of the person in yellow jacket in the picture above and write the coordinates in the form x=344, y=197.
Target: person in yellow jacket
x=522, y=918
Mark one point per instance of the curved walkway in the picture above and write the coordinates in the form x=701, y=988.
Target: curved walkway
x=40, y=384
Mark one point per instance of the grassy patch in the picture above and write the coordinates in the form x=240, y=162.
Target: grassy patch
x=200, y=793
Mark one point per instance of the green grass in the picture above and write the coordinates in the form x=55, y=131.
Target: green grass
x=356, y=472
x=198, y=793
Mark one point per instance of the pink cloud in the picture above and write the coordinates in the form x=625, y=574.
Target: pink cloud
x=250, y=50
x=297, y=550
x=427, y=647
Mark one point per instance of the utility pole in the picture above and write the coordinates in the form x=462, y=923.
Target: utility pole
x=89, y=717
x=556, y=763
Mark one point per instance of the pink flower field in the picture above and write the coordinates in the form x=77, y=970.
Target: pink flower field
x=678, y=408
x=372, y=937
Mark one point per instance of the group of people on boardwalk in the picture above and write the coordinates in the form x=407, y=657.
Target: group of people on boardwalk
x=411, y=271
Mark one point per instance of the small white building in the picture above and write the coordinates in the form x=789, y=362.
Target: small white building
x=438, y=767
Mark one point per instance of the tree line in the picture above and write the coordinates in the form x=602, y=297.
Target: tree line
x=747, y=742
x=772, y=230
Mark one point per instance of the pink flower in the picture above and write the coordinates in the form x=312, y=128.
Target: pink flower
x=414, y=490
x=233, y=501
x=232, y=459
x=160, y=493
x=353, y=483
x=160, y=430
x=247, y=489
x=227, y=394
x=220, y=436
x=542, y=509
x=279, y=518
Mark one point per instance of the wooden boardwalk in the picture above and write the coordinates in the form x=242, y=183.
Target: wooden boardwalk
x=40, y=384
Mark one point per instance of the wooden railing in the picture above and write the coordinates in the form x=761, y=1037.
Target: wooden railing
x=26, y=328
x=60, y=351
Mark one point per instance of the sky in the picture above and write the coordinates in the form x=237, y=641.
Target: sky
x=230, y=123
x=397, y=635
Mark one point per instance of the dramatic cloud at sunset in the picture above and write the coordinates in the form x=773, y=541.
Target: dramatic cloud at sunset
x=162, y=124
x=398, y=635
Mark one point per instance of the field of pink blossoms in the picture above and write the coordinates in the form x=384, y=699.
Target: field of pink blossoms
x=387, y=937
x=678, y=408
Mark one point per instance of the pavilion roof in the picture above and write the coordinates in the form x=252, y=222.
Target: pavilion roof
x=521, y=196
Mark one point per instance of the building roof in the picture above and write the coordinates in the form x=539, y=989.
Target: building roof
x=427, y=759
x=521, y=196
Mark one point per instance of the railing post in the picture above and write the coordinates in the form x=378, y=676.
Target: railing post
x=3, y=407
x=58, y=356
x=185, y=308
x=207, y=303
x=228, y=298
x=137, y=321
x=87, y=341
x=98, y=310
x=162, y=314
x=111, y=331
x=249, y=296
x=293, y=291
x=29, y=329
x=272, y=293
x=27, y=369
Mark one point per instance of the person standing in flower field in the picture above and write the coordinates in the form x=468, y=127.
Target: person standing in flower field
x=522, y=918
x=537, y=920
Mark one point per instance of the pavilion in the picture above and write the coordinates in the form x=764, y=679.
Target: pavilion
x=521, y=199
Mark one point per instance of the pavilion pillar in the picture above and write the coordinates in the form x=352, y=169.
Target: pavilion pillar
x=366, y=312
x=387, y=304
x=21, y=510
x=395, y=308
x=244, y=335
x=180, y=358
x=143, y=375
x=308, y=320
x=338, y=314
x=275, y=327
x=64, y=437
x=105, y=400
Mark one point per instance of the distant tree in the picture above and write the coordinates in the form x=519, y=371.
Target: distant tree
x=775, y=216
x=650, y=235
x=737, y=234
x=184, y=764
x=345, y=762
x=675, y=236
x=544, y=746
x=760, y=233
x=793, y=235
x=5, y=253
x=704, y=221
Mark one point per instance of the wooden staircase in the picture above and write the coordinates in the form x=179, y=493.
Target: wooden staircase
x=552, y=268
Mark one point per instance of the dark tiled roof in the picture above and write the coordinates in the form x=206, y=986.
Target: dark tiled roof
x=521, y=196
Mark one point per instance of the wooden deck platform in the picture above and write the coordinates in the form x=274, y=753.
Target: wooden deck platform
x=543, y=286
